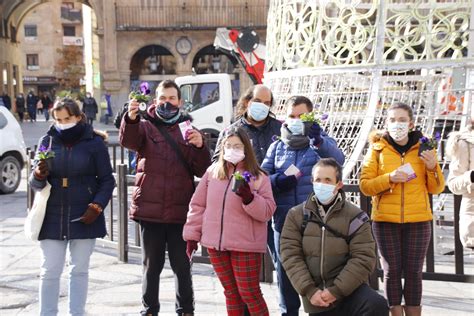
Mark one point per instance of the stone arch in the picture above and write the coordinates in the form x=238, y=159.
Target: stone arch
x=152, y=59
x=16, y=12
x=209, y=60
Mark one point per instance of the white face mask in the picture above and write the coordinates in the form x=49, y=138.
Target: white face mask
x=65, y=126
x=233, y=155
x=324, y=192
x=398, y=130
x=296, y=126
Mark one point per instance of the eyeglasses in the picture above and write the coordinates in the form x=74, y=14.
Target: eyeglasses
x=235, y=146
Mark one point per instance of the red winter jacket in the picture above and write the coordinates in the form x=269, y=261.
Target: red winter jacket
x=163, y=186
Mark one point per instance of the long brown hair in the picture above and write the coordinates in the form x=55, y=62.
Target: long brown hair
x=70, y=106
x=251, y=165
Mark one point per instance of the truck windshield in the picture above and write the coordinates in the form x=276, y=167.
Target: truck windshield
x=199, y=95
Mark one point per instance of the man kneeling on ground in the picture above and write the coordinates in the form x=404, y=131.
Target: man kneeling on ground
x=328, y=251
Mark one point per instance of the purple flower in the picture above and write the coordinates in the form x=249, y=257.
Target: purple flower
x=247, y=176
x=424, y=140
x=45, y=152
x=324, y=117
x=144, y=88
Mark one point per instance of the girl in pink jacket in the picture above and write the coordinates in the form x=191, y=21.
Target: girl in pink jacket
x=233, y=225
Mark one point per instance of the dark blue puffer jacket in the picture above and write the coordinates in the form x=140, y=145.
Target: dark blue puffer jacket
x=86, y=165
x=279, y=157
x=261, y=136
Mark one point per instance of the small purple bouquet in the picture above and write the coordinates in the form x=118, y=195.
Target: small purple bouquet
x=143, y=96
x=427, y=143
x=312, y=117
x=45, y=153
x=240, y=178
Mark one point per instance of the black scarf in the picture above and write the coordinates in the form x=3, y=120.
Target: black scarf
x=413, y=138
x=295, y=142
x=72, y=135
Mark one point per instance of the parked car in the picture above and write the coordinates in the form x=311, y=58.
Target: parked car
x=12, y=152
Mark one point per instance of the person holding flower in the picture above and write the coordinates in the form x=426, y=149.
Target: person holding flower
x=233, y=225
x=288, y=162
x=460, y=148
x=399, y=177
x=255, y=117
x=168, y=162
x=73, y=158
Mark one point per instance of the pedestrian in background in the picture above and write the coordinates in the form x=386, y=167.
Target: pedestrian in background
x=399, y=179
x=233, y=225
x=300, y=146
x=7, y=101
x=47, y=105
x=20, y=106
x=168, y=162
x=81, y=186
x=90, y=108
x=31, y=104
x=460, y=148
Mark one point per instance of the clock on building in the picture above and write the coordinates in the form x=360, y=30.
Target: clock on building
x=183, y=45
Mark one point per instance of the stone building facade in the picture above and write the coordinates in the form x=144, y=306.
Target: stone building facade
x=146, y=39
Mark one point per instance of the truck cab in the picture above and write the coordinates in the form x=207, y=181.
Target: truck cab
x=208, y=98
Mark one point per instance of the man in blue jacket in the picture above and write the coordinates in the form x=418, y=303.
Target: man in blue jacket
x=288, y=162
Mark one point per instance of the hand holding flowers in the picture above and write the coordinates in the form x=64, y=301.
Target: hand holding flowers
x=427, y=143
x=45, y=158
x=426, y=152
x=142, y=97
x=241, y=186
x=312, y=124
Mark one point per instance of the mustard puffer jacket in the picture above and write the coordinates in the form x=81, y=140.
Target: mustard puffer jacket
x=398, y=202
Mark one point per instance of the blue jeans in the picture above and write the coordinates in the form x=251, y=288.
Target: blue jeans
x=53, y=254
x=289, y=299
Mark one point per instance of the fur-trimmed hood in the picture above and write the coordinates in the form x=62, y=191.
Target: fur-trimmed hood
x=376, y=135
x=466, y=135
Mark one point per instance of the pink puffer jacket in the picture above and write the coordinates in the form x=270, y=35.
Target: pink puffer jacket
x=218, y=219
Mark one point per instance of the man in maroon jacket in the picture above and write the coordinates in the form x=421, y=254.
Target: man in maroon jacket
x=164, y=186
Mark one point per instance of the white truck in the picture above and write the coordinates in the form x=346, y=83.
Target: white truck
x=208, y=98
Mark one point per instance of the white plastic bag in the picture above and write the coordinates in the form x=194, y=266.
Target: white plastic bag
x=34, y=220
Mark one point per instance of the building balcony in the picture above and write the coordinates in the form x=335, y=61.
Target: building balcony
x=71, y=16
x=138, y=18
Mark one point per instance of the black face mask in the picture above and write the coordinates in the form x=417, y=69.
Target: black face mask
x=71, y=135
x=167, y=110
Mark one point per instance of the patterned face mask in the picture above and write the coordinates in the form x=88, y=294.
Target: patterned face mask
x=398, y=130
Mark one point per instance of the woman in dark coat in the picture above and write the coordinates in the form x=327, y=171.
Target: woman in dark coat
x=81, y=186
x=20, y=106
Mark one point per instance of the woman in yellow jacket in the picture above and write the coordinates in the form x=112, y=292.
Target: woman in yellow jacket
x=399, y=180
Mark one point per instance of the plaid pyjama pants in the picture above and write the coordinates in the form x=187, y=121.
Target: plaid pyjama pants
x=238, y=273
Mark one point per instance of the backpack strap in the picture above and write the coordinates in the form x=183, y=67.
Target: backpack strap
x=354, y=225
x=306, y=216
x=359, y=220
